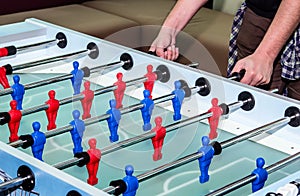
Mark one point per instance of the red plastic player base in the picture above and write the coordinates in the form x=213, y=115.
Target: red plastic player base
x=158, y=139
x=214, y=119
x=92, y=181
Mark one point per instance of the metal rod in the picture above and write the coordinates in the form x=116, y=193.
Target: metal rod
x=16, y=182
x=114, y=87
x=68, y=163
x=282, y=163
x=224, y=145
x=255, y=132
x=6, y=91
x=197, y=155
x=133, y=140
x=137, y=139
x=39, y=83
x=230, y=187
x=17, y=143
x=193, y=65
x=32, y=47
x=105, y=90
x=163, y=98
x=169, y=166
x=128, y=142
x=88, y=121
x=246, y=180
x=73, y=98
x=235, y=105
x=67, y=128
x=48, y=134
x=110, y=189
x=58, y=131
x=148, y=135
x=78, y=54
x=160, y=170
x=232, y=78
x=46, y=106
x=188, y=121
x=275, y=90
x=34, y=109
x=79, y=96
x=117, y=64
x=48, y=81
x=54, y=79
x=196, y=89
x=136, y=81
x=37, y=46
x=131, y=108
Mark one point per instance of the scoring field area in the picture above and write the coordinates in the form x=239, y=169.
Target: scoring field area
x=234, y=163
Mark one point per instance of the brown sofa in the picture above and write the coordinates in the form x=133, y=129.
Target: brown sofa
x=107, y=18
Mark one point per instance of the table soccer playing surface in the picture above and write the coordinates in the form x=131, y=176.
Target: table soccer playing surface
x=234, y=163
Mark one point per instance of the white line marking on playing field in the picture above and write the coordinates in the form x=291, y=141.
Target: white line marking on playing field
x=167, y=182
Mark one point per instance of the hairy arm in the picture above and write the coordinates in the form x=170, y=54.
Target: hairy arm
x=285, y=22
x=259, y=65
x=180, y=15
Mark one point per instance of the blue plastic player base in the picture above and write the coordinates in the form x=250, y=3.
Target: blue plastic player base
x=205, y=160
x=77, y=77
x=77, y=131
x=18, y=91
x=131, y=181
x=39, y=140
x=261, y=175
x=177, y=100
x=147, y=110
x=113, y=120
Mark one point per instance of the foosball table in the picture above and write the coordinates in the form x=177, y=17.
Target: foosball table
x=84, y=116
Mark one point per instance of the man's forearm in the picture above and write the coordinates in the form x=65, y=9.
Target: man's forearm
x=182, y=12
x=285, y=22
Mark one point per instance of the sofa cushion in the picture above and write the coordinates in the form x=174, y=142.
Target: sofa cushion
x=146, y=12
x=76, y=17
x=212, y=29
x=13, y=6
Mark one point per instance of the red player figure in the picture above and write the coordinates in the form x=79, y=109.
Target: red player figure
x=51, y=112
x=214, y=119
x=158, y=139
x=87, y=101
x=14, y=123
x=92, y=166
x=3, y=78
x=119, y=92
x=151, y=77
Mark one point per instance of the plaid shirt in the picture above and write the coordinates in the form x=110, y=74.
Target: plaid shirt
x=290, y=57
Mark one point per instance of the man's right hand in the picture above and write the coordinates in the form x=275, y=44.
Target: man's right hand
x=164, y=44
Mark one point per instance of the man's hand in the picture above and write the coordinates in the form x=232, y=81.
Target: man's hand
x=164, y=44
x=258, y=69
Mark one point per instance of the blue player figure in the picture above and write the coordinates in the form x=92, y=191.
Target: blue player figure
x=18, y=91
x=39, y=140
x=177, y=100
x=113, y=120
x=261, y=175
x=132, y=182
x=77, y=77
x=77, y=131
x=205, y=160
x=147, y=110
